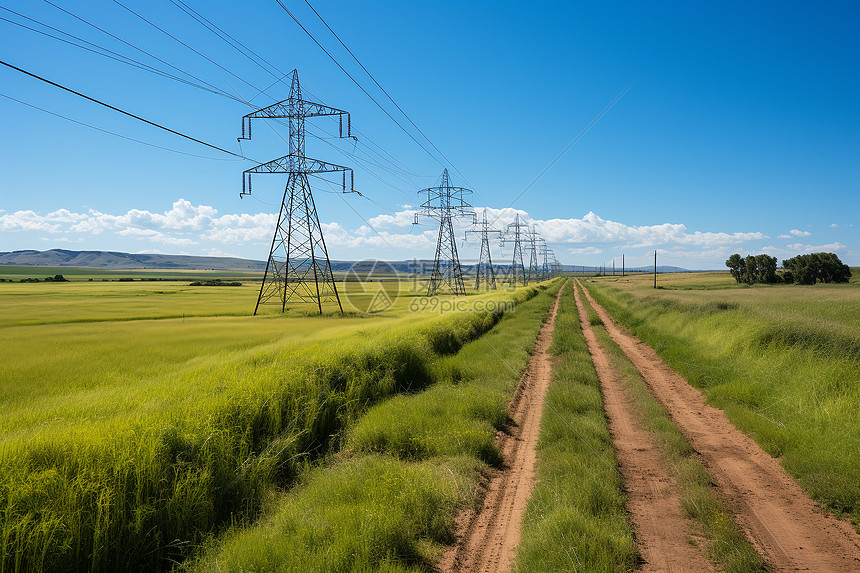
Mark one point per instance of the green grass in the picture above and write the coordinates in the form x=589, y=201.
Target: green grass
x=125, y=442
x=726, y=546
x=576, y=519
x=781, y=361
x=432, y=444
x=369, y=513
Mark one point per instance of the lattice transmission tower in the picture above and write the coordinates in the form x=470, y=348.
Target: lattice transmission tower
x=485, y=270
x=515, y=235
x=533, y=273
x=544, y=253
x=298, y=268
x=444, y=204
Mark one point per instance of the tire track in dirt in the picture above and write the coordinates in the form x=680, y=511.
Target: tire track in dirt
x=654, y=503
x=779, y=519
x=487, y=539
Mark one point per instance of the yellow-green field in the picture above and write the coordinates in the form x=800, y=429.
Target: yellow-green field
x=139, y=418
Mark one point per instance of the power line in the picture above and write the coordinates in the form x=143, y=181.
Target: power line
x=111, y=132
x=202, y=55
x=354, y=57
x=235, y=43
x=210, y=59
x=212, y=27
x=571, y=144
x=105, y=52
x=129, y=114
x=385, y=111
x=141, y=50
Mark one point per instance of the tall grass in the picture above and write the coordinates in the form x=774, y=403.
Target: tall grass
x=387, y=501
x=87, y=488
x=575, y=520
x=781, y=361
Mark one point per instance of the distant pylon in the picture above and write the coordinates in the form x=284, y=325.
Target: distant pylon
x=485, y=262
x=533, y=272
x=518, y=271
x=543, y=252
x=445, y=203
x=298, y=267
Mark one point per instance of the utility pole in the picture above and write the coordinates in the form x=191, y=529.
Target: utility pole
x=518, y=271
x=485, y=262
x=622, y=265
x=655, y=269
x=445, y=203
x=298, y=267
x=613, y=267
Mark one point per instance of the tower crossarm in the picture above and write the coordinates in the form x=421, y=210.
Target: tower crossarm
x=293, y=106
x=296, y=164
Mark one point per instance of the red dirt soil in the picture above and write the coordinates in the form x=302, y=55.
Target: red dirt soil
x=487, y=539
x=780, y=520
x=663, y=534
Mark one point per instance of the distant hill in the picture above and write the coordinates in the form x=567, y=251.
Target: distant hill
x=126, y=261
x=120, y=261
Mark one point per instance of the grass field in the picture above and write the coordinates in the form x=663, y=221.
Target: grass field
x=782, y=361
x=387, y=501
x=127, y=441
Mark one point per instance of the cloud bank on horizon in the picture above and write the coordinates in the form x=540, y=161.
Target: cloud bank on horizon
x=185, y=228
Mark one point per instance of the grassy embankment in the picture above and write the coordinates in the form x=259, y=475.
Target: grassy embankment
x=782, y=361
x=726, y=544
x=388, y=501
x=576, y=520
x=123, y=445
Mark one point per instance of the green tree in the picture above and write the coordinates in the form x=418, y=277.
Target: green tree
x=766, y=269
x=737, y=266
x=811, y=268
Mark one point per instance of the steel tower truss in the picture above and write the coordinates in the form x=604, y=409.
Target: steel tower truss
x=484, y=270
x=515, y=235
x=298, y=268
x=533, y=273
x=544, y=254
x=444, y=204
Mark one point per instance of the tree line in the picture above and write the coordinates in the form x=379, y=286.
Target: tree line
x=802, y=269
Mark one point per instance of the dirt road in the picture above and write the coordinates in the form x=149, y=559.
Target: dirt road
x=780, y=520
x=662, y=533
x=487, y=540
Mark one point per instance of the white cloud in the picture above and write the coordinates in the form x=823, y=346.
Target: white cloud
x=783, y=236
x=400, y=219
x=182, y=224
x=833, y=225
x=593, y=229
x=28, y=221
x=585, y=251
x=61, y=239
x=793, y=249
x=585, y=240
x=798, y=233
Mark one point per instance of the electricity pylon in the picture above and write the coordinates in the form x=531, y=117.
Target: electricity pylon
x=298, y=267
x=445, y=203
x=533, y=272
x=485, y=262
x=518, y=271
x=543, y=254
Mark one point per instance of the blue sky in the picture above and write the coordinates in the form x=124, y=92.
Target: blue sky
x=740, y=133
